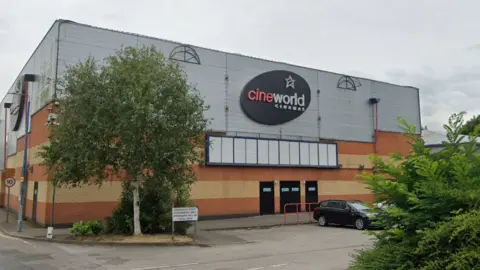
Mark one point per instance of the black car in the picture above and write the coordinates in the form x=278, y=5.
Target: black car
x=341, y=212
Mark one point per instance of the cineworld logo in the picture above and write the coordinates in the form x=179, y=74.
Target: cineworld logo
x=275, y=97
x=286, y=102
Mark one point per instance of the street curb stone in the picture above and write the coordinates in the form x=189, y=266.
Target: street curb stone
x=98, y=243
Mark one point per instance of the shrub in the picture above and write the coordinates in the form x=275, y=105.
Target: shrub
x=155, y=210
x=96, y=226
x=87, y=228
x=452, y=244
x=433, y=221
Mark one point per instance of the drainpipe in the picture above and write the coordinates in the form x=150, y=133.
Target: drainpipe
x=374, y=102
x=6, y=105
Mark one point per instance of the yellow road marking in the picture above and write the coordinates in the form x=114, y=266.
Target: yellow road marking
x=13, y=238
x=6, y=236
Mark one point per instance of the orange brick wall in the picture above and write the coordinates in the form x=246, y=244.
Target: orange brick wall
x=76, y=204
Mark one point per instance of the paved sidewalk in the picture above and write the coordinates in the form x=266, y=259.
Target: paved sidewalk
x=28, y=229
x=253, y=222
x=204, y=231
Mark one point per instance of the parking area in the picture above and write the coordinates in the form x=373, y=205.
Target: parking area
x=285, y=247
x=294, y=247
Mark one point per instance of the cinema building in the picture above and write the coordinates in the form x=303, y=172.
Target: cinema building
x=280, y=133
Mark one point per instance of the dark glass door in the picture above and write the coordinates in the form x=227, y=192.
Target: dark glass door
x=35, y=200
x=267, y=198
x=289, y=193
x=311, y=195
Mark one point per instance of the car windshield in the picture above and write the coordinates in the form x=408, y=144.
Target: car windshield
x=360, y=206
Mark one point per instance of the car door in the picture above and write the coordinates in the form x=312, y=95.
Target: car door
x=320, y=210
x=343, y=213
x=331, y=212
x=351, y=215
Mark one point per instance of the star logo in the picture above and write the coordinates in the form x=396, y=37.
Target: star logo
x=289, y=82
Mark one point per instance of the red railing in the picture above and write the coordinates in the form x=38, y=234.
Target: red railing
x=298, y=210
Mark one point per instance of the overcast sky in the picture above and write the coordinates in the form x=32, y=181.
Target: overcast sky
x=430, y=44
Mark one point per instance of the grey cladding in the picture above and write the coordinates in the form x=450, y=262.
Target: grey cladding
x=339, y=107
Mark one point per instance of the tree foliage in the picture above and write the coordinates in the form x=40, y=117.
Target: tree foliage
x=432, y=221
x=133, y=116
x=470, y=125
x=155, y=216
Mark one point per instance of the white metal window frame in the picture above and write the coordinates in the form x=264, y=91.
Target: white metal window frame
x=250, y=151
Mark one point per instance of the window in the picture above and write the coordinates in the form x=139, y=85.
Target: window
x=332, y=204
x=185, y=53
x=360, y=206
x=348, y=83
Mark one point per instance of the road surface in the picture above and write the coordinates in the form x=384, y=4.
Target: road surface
x=282, y=248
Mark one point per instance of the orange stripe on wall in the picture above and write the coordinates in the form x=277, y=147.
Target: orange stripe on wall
x=368, y=198
x=389, y=143
x=225, y=173
x=39, y=173
x=39, y=132
x=67, y=213
x=221, y=173
x=40, y=213
x=230, y=206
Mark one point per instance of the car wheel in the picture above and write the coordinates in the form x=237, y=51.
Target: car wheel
x=322, y=221
x=360, y=224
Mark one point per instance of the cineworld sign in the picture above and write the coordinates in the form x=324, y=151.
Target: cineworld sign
x=275, y=97
x=18, y=105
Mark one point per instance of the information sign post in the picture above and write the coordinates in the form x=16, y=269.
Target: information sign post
x=188, y=214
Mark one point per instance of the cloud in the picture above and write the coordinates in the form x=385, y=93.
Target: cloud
x=448, y=85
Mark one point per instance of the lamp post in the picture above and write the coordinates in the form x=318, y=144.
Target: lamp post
x=6, y=106
x=27, y=78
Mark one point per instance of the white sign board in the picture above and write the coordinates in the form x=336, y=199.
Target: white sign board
x=185, y=214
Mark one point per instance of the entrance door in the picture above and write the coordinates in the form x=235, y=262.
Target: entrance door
x=267, y=198
x=311, y=195
x=289, y=193
x=35, y=199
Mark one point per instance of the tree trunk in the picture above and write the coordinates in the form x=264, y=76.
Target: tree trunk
x=136, y=208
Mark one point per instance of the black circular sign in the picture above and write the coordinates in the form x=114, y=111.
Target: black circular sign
x=275, y=97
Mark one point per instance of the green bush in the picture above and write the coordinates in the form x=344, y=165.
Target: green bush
x=87, y=228
x=119, y=222
x=155, y=210
x=452, y=244
x=96, y=226
x=434, y=220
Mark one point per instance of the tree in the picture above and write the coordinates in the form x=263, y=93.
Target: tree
x=133, y=117
x=432, y=221
x=470, y=125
